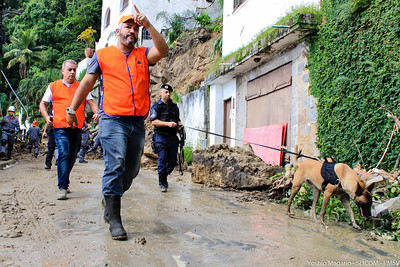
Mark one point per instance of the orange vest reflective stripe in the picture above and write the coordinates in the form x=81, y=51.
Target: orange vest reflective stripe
x=62, y=98
x=125, y=81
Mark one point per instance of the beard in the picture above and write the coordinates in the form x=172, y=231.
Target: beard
x=129, y=42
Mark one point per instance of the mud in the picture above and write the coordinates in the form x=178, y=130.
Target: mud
x=190, y=225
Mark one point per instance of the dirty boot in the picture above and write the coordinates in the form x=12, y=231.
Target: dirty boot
x=113, y=212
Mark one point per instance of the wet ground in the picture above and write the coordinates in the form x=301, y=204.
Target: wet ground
x=190, y=225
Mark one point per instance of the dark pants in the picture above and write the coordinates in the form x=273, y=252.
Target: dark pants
x=7, y=139
x=51, y=147
x=33, y=143
x=167, y=155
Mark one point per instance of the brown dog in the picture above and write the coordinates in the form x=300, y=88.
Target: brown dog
x=351, y=186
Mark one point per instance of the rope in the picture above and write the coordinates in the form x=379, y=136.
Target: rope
x=269, y=147
x=387, y=147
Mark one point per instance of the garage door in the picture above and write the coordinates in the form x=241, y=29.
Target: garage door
x=269, y=99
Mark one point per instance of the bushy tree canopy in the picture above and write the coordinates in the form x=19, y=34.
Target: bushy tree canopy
x=56, y=24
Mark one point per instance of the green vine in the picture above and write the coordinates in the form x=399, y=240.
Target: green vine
x=354, y=72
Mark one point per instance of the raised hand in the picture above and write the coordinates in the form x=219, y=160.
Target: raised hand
x=141, y=19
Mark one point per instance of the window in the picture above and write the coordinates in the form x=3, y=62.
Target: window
x=107, y=18
x=237, y=3
x=145, y=34
x=124, y=4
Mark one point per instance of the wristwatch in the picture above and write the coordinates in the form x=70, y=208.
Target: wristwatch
x=70, y=111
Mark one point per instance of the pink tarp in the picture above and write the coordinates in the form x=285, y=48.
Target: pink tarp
x=272, y=136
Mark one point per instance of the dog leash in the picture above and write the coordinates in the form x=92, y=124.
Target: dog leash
x=265, y=146
x=181, y=151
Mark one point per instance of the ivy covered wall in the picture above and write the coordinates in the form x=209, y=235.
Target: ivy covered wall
x=354, y=73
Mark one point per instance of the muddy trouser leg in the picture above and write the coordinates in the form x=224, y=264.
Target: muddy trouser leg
x=30, y=146
x=36, y=145
x=3, y=142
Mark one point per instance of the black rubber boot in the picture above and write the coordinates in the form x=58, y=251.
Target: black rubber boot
x=112, y=212
x=162, y=182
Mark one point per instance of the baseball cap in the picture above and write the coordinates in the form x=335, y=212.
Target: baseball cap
x=167, y=87
x=126, y=18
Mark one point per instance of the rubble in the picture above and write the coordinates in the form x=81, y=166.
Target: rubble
x=234, y=167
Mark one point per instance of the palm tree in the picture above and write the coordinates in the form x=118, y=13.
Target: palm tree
x=24, y=51
x=32, y=89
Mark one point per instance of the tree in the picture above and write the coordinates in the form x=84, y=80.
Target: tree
x=25, y=51
x=31, y=90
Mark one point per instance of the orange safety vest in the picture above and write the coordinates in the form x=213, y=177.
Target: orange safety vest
x=125, y=81
x=62, y=98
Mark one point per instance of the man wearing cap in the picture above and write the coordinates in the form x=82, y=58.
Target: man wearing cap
x=9, y=125
x=125, y=104
x=164, y=116
x=34, y=133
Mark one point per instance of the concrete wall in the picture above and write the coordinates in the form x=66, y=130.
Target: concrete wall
x=194, y=112
x=303, y=107
x=150, y=9
x=252, y=17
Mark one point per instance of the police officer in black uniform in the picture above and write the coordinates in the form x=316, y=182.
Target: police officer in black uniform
x=164, y=116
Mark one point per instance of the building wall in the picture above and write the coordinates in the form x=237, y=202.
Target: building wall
x=194, y=111
x=218, y=94
x=303, y=105
x=252, y=17
x=150, y=9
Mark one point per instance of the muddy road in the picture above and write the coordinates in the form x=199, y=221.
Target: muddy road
x=190, y=225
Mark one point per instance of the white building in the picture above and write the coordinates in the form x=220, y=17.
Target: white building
x=265, y=84
x=112, y=10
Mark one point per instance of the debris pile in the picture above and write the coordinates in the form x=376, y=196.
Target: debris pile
x=234, y=167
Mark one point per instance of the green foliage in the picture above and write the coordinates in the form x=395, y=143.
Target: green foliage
x=354, y=72
x=175, y=23
x=31, y=90
x=216, y=48
x=56, y=23
x=188, y=151
x=217, y=25
x=175, y=97
x=204, y=19
x=304, y=198
x=393, y=189
x=360, y=5
x=388, y=225
x=24, y=51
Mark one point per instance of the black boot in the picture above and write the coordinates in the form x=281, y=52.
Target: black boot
x=112, y=212
x=162, y=181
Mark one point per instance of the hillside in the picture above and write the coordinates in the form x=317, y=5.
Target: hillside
x=186, y=64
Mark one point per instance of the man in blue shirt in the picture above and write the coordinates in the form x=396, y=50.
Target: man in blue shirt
x=34, y=133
